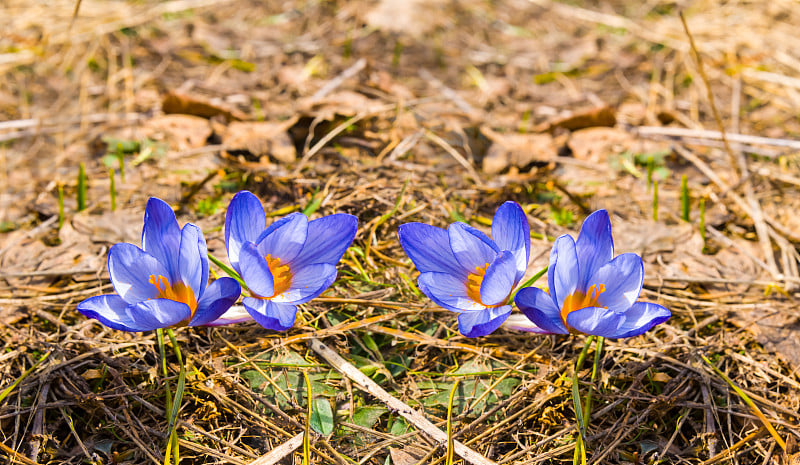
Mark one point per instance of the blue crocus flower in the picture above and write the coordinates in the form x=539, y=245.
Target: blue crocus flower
x=165, y=283
x=286, y=264
x=590, y=290
x=465, y=271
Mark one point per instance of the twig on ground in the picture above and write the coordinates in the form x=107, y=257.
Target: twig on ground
x=410, y=414
x=275, y=455
x=331, y=85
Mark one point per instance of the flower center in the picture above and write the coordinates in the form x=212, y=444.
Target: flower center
x=281, y=275
x=178, y=292
x=578, y=300
x=474, y=281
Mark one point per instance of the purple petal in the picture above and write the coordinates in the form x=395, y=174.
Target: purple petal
x=271, y=315
x=481, y=323
x=521, y=322
x=108, y=309
x=448, y=292
x=539, y=307
x=131, y=269
x=284, y=238
x=161, y=235
x=429, y=248
x=563, y=273
x=157, y=313
x=472, y=248
x=244, y=221
x=255, y=271
x=217, y=299
x=595, y=246
x=193, y=259
x=510, y=231
x=597, y=321
x=499, y=280
x=622, y=278
x=328, y=239
x=307, y=283
x=640, y=318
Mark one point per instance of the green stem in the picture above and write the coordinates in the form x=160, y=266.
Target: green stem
x=580, y=444
x=450, y=433
x=307, y=432
x=81, y=187
x=172, y=445
x=112, y=189
x=587, y=406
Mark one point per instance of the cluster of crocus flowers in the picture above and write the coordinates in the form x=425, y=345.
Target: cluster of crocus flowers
x=163, y=284
x=590, y=290
x=465, y=271
x=286, y=264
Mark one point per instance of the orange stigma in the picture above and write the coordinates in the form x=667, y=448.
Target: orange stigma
x=578, y=300
x=178, y=292
x=281, y=275
x=474, y=281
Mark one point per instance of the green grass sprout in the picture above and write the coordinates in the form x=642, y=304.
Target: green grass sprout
x=60, y=206
x=703, y=219
x=172, y=444
x=655, y=200
x=684, y=198
x=22, y=377
x=112, y=189
x=81, y=187
x=753, y=407
x=307, y=430
x=450, y=434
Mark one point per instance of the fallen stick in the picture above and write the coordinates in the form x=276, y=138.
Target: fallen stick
x=683, y=133
x=413, y=416
x=280, y=452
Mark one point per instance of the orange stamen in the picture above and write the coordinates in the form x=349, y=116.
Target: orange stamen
x=281, y=275
x=578, y=300
x=178, y=292
x=474, y=281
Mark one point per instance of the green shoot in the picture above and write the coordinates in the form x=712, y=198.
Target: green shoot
x=112, y=189
x=22, y=377
x=347, y=47
x=313, y=204
x=525, y=122
x=307, y=432
x=684, y=198
x=587, y=406
x=450, y=434
x=81, y=187
x=747, y=400
x=580, y=444
x=121, y=157
x=703, y=219
x=651, y=164
x=398, y=52
x=60, y=206
x=655, y=200
x=172, y=444
x=167, y=390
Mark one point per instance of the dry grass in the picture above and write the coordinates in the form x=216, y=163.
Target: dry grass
x=515, y=83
